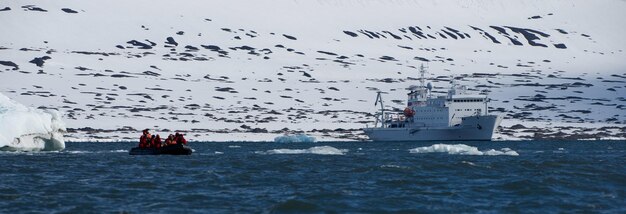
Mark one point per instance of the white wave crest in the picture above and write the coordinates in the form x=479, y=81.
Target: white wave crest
x=462, y=149
x=298, y=138
x=318, y=150
x=28, y=129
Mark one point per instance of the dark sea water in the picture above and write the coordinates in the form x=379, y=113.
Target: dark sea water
x=368, y=177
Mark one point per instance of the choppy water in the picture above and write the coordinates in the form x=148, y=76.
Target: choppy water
x=319, y=177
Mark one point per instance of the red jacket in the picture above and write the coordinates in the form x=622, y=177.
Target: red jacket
x=181, y=140
x=156, y=142
x=143, y=141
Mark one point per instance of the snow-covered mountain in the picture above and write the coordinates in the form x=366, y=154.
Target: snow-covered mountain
x=236, y=70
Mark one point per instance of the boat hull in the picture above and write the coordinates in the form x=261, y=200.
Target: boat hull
x=475, y=128
x=166, y=150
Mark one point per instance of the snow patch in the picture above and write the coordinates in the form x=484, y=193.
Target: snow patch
x=462, y=149
x=318, y=150
x=28, y=129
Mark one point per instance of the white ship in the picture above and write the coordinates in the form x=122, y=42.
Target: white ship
x=456, y=116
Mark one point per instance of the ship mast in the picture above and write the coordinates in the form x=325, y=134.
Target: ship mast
x=422, y=87
x=379, y=99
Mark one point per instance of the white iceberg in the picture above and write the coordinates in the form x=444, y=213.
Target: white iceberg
x=297, y=138
x=25, y=128
x=318, y=150
x=462, y=149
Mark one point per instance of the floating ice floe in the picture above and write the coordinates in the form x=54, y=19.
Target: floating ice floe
x=28, y=129
x=318, y=150
x=461, y=149
x=91, y=152
x=298, y=138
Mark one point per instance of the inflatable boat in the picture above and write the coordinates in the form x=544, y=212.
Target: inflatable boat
x=177, y=149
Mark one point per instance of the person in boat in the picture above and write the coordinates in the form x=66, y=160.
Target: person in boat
x=144, y=140
x=180, y=139
x=151, y=141
x=170, y=140
x=156, y=142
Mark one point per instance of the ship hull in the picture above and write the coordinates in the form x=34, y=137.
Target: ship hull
x=475, y=128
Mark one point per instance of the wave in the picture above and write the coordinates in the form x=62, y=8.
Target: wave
x=461, y=149
x=28, y=129
x=318, y=150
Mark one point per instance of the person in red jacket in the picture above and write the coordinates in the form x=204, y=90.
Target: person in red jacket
x=144, y=140
x=180, y=139
x=156, y=142
x=170, y=140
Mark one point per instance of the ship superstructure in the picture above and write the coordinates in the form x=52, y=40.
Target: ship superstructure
x=458, y=115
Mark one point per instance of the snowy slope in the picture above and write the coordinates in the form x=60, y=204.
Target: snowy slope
x=232, y=70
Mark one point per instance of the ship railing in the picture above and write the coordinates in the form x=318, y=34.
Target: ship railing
x=396, y=121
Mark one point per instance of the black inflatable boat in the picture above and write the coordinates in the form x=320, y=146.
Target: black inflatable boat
x=177, y=149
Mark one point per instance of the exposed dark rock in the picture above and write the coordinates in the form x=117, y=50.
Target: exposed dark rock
x=518, y=126
x=141, y=45
x=530, y=35
x=171, y=41
x=33, y=8
x=39, y=61
x=421, y=59
x=94, y=53
x=67, y=10
x=486, y=35
x=289, y=37
x=352, y=34
x=10, y=64
x=150, y=73
x=327, y=53
x=258, y=130
x=388, y=58
x=120, y=76
x=215, y=48
x=503, y=32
